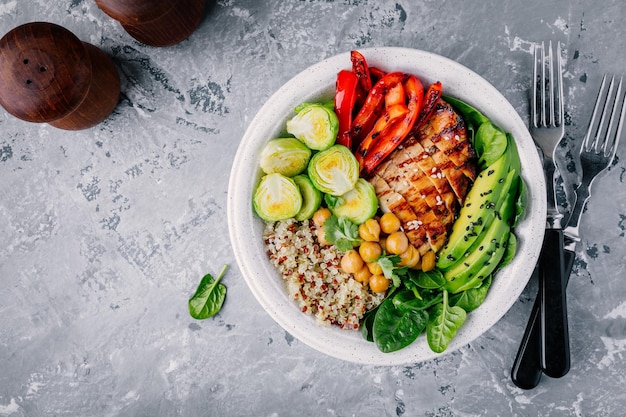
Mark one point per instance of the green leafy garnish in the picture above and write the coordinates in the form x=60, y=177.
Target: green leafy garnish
x=342, y=233
x=444, y=322
x=471, y=299
x=209, y=297
x=391, y=270
x=397, y=325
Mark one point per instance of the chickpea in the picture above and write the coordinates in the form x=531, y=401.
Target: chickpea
x=383, y=243
x=397, y=243
x=363, y=275
x=321, y=237
x=351, y=262
x=378, y=283
x=428, y=261
x=320, y=216
x=370, y=230
x=410, y=257
x=375, y=268
x=389, y=223
x=370, y=251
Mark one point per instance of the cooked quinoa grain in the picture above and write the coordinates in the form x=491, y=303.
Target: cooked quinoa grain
x=313, y=277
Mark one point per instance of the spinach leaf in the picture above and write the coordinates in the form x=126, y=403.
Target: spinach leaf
x=444, y=322
x=470, y=299
x=367, y=324
x=209, y=297
x=490, y=144
x=432, y=279
x=396, y=327
x=407, y=299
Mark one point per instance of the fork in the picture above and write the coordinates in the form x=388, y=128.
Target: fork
x=549, y=346
x=596, y=155
x=547, y=132
x=597, y=151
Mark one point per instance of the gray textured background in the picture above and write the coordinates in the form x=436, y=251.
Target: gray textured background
x=105, y=233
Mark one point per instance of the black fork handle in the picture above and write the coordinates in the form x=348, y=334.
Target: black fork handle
x=555, y=356
x=526, y=371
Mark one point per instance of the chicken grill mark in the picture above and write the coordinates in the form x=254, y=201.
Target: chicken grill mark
x=425, y=180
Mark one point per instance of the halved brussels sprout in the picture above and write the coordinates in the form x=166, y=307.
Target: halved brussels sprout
x=287, y=156
x=277, y=197
x=314, y=124
x=334, y=171
x=311, y=197
x=358, y=204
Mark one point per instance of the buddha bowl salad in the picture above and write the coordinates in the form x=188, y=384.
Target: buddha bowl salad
x=389, y=208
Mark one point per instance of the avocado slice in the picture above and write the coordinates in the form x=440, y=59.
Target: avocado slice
x=481, y=262
x=477, y=213
x=484, y=256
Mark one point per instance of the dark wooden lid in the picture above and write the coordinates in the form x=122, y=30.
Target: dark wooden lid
x=136, y=12
x=156, y=22
x=45, y=72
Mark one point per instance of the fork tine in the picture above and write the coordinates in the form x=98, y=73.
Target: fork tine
x=610, y=143
x=587, y=140
x=600, y=133
x=551, y=84
x=533, y=88
x=543, y=85
x=618, y=133
x=559, y=63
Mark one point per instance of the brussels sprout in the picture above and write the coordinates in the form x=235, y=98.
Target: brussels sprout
x=314, y=124
x=334, y=171
x=358, y=204
x=277, y=198
x=287, y=156
x=311, y=197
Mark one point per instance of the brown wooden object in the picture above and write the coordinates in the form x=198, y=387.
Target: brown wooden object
x=156, y=22
x=48, y=75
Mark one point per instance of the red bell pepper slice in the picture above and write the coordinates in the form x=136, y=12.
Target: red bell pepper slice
x=376, y=74
x=394, y=136
x=345, y=98
x=433, y=94
x=361, y=69
x=386, y=122
x=373, y=106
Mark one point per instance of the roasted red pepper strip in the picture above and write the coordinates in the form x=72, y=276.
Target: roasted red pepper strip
x=376, y=74
x=373, y=106
x=433, y=94
x=399, y=131
x=391, y=115
x=361, y=69
x=395, y=95
x=345, y=97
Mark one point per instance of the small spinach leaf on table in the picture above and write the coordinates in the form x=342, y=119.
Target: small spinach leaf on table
x=209, y=297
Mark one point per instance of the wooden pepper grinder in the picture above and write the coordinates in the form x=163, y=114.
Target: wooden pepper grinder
x=156, y=22
x=47, y=75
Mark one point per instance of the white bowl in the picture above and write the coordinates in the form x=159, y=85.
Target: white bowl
x=246, y=229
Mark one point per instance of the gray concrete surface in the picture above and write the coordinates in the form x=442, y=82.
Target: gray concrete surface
x=105, y=233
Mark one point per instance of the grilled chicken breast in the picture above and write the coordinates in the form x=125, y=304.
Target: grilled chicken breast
x=425, y=180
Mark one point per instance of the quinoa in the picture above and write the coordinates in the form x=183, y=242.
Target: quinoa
x=313, y=277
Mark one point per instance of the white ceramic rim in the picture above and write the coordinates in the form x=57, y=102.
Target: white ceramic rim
x=318, y=82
